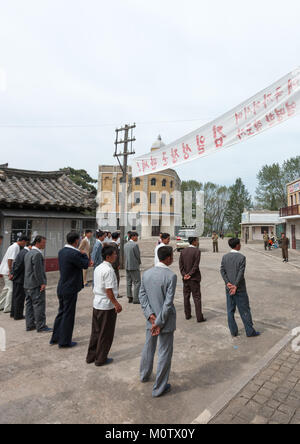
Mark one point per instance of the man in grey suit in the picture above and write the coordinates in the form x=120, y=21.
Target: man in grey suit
x=233, y=270
x=35, y=282
x=157, y=301
x=132, y=264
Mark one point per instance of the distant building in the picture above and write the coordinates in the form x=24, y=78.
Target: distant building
x=291, y=214
x=45, y=203
x=153, y=207
x=256, y=222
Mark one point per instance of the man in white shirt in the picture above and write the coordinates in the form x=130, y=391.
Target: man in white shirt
x=6, y=270
x=106, y=308
x=165, y=240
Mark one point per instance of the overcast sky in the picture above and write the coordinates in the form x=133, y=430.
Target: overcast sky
x=96, y=65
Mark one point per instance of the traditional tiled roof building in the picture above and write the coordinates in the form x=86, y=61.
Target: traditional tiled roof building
x=45, y=203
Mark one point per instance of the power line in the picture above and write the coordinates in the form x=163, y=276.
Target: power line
x=90, y=125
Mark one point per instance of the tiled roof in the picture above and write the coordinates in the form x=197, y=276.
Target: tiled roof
x=42, y=189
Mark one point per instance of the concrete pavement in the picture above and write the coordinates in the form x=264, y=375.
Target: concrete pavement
x=43, y=384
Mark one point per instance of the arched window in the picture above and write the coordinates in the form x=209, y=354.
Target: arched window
x=137, y=181
x=164, y=183
x=153, y=182
x=171, y=184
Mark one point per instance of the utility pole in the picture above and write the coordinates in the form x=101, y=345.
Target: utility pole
x=124, y=168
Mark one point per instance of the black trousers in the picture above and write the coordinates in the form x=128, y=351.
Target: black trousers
x=18, y=302
x=192, y=287
x=102, y=336
x=64, y=322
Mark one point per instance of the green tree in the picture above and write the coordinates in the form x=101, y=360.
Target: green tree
x=81, y=178
x=239, y=199
x=271, y=192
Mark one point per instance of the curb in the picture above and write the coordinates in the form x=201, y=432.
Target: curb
x=222, y=402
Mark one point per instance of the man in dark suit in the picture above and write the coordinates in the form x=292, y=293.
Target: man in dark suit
x=116, y=265
x=132, y=264
x=189, y=267
x=18, y=272
x=71, y=264
x=233, y=272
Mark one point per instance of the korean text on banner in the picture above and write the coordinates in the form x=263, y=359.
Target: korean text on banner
x=263, y=111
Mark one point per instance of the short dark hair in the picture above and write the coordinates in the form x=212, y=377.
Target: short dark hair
x=115, y=235
x=88, y=231
x=38, y=239
x=100, y=233
x=23, y=238
x=1, y=237
x=192, y=240
x=164, y=252
x=108, y=251
x=133, y=234
x=234, y=242
x=165, y=235
x=73, y=237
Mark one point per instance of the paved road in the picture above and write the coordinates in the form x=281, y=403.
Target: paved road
x=42, y=384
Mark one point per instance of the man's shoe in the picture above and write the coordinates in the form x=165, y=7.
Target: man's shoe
x=137, y=302
x=188, y=318
x=130, y=300
x=254, y=335
x=45, y=330
x=203, y=320
x=90, y=361
x=19, y=319
x=107, y=362
x=31, y=329
x=73, y=344
x=166, y=390
x=53, y=342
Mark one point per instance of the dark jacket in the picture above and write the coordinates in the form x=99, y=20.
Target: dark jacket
x=97, y=254
x=189, y=263
x=19, y=267
x=116, y=265
x=233, y=270
x=71, y=264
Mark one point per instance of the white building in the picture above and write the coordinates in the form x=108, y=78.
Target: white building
x=290, y=215
x=256, y=222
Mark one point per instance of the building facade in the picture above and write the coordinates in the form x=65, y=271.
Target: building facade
x=256, y=222
x=291, y=214
x=153, y=204
x=42, y=203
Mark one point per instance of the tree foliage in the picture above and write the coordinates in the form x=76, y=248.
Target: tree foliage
x=239, y=199
x=81, y=178
x=271, y=192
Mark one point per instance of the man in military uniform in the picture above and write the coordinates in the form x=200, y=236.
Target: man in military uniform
x=266, y=240
x=215, y=238
x=285, y=247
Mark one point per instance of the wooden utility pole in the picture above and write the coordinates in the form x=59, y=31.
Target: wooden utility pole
x=123, y=204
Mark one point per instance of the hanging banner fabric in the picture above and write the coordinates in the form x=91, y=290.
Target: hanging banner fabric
x=261, y=112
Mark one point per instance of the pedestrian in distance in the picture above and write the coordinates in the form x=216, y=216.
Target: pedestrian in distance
x=233, y=272
x=18, y=298
x=165, y=240
x=71, y=263
x=285, y=247
x=85, y=246
x=6, y=269
x=215, y=239
x=132, y=265
x=97, y=250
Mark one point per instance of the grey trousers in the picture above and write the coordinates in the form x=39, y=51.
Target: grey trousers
x=133, y=278
x=165, y=352
x=6, y=295
x=35, y=312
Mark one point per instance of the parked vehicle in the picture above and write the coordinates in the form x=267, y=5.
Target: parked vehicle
x=182, y=239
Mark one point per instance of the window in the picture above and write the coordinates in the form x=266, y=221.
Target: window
x=74, y=225
x=171, y=184
x=89, y=224
x=164, y=183
x=153, y=182
x=137, y=181
x=137, y=198
x=152, y=198
x=263, y=229
x=163, y=199
x=19, y=227
x=171, y=202
x=134, y=225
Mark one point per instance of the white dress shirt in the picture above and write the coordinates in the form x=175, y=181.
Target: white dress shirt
x=104, y=279
x=156, y=260
x=11, y=254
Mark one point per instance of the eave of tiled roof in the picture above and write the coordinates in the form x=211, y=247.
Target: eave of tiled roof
x=53, y=189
